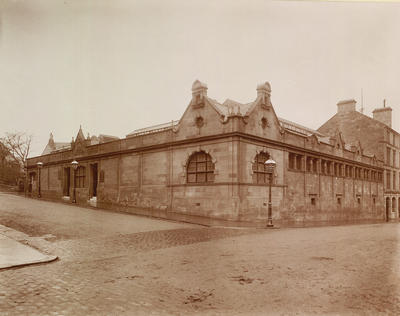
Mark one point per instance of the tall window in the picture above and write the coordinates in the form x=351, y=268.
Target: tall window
x=200, y=168
x=388, y=180
x=260, y=169
x=80, y=177
x=292, y=161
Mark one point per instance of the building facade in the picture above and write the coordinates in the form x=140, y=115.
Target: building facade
x=210, y=166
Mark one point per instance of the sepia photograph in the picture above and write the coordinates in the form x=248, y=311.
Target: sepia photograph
x=183, y=157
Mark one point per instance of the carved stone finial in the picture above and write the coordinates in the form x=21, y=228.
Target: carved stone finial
x=264, y=93
x=199, y=91
x=199, y=86
x=51, y=141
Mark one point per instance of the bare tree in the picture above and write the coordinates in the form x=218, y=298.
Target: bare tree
x=18, y=145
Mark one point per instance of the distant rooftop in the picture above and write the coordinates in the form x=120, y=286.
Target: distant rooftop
x=153, y=129
x=294, y=127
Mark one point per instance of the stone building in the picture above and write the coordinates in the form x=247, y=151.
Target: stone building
x=209, y=167
x=376, y=137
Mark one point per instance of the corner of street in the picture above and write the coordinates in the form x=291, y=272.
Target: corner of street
x=120, y=264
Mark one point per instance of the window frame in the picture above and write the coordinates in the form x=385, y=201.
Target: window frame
x=201, y=167
x=80, y=175
x=260, y=169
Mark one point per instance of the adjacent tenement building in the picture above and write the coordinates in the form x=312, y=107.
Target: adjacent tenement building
x=376, y=137
x=210, y=166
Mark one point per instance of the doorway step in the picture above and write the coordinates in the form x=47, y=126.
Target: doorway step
x=93, y=201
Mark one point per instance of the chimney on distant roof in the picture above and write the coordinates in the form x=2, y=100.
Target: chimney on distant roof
x=346, y=106
x=383, y=115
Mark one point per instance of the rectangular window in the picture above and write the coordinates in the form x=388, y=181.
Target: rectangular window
x=388, y=176
x=309, y=164
x=80, y=177
x=394, y=180
x=299, y=162
x=292, y=160
x=388, y=156
x=323, y=166
x=315, y=165
x=328, y=167
x=394, y=158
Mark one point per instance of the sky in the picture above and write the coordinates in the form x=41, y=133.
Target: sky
x=116, y=66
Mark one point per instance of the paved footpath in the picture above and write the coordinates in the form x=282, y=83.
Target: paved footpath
x=15, y=254
x=119, y=264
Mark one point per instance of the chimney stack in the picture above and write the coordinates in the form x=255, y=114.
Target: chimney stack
x=346, y=106
x=383, y=115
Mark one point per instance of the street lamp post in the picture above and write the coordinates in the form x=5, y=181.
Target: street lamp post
x=39, y=165
x=74, y=167
x=25, y=177
x=270, y=164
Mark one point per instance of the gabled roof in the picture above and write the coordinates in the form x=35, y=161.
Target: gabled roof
x=357, y=127
x=231, y=107
x=56, y=146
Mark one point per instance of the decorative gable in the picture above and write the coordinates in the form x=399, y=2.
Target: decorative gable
x=312, y=141
x=260, y=117
x=338, y=141
x=79, y=145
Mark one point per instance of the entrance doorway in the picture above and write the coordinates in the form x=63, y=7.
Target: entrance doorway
x=67, y=180
x=398, y=206
x=387, y=208
x=93, y=171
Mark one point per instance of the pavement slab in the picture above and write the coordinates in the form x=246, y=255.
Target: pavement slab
x=15, y=254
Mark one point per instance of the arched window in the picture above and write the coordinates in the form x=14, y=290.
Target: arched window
x=80, y=177
x=260, y=169
x=200, y=168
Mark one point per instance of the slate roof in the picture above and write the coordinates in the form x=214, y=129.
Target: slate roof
x=58, y=146
x=357, y=127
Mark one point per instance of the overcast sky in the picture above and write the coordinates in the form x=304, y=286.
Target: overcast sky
x=115, y=66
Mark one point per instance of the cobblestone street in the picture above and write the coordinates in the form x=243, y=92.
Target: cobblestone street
x=113, y=263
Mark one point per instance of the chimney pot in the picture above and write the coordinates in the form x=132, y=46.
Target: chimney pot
x=383, y=115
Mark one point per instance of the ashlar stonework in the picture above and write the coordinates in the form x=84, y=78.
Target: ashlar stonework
x=209, y=167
